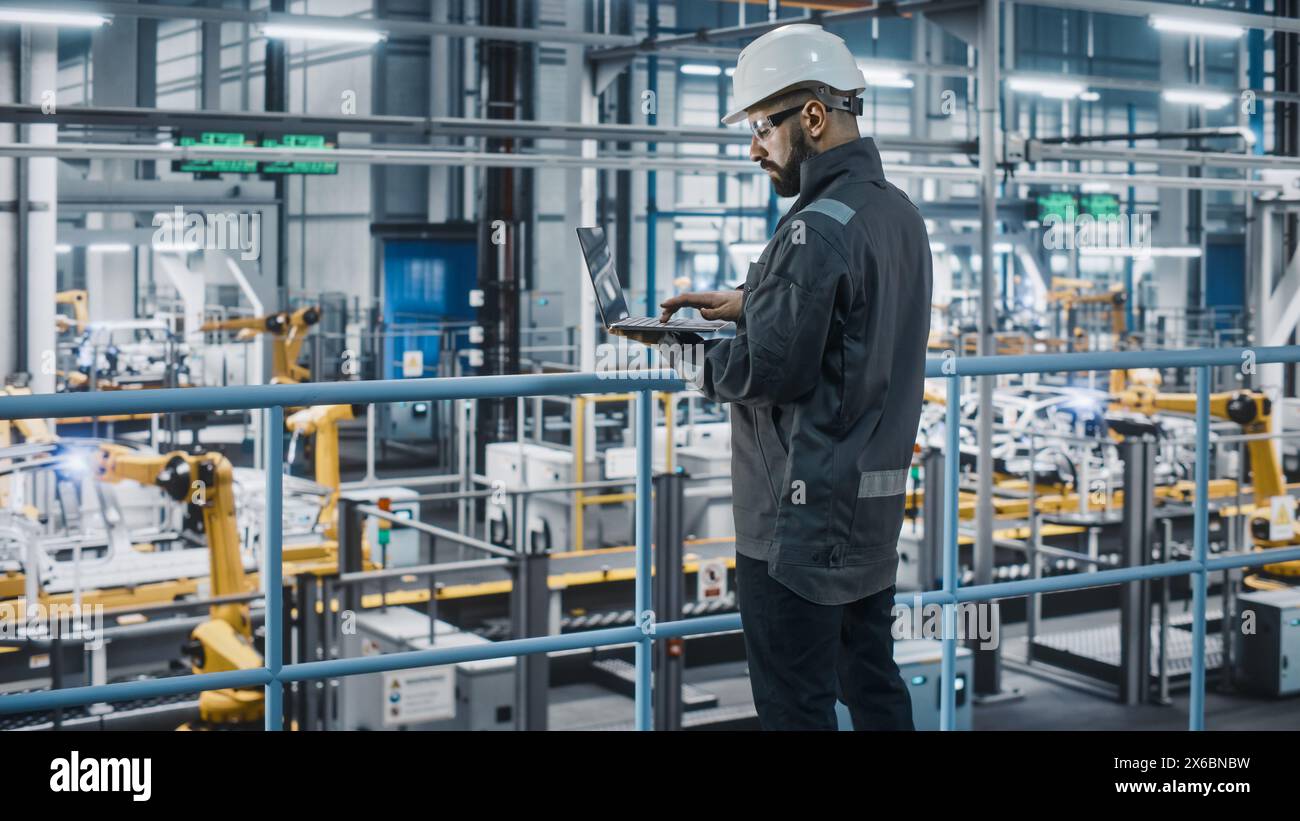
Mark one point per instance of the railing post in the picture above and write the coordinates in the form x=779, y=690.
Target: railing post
x=644, y=521
x=1200, y=531
x=1135, y=600
x=669, y=653
x=952, y=456
x=273, y=430
x=930, y=560
x=530, y=617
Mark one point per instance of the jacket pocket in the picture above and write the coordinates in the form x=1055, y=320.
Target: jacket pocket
x=770, y=453
x=772, y=311
x=878, y=511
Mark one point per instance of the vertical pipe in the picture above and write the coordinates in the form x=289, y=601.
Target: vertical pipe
x=1200, y=578
x=644, y=466
x=651, y=177
x=987, y=666
x=1255, y=77
x=1131, y=208
x=273, y=425
x=952, y=458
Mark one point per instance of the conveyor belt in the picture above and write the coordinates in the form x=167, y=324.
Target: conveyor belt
x=1101, y=645
x=162, y=713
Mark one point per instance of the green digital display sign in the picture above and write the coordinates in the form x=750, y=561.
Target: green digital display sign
x=228, y=139
x=1067, y=206
x=1099, y=205
x=315, y=141
x=221, y=139
x=1059, y=204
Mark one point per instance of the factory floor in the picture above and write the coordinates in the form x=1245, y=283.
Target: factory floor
x=1038, y=704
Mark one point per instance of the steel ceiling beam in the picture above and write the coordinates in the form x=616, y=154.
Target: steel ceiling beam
x=394, y=28
x=386, y=156
x=1146, y=8
x=733, y=33
x=154, y=119
x=1198, y=159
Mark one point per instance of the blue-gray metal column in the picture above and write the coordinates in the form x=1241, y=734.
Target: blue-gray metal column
x=645, y=409
x=1200, y=535
x=987, y=662
x=273, y=430
x=952, y=457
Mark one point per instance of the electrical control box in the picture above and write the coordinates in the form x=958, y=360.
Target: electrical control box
x=1268, y=624
x=407, y=421
x=473, y=695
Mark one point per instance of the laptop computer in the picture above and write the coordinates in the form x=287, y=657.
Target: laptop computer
x=609, y=294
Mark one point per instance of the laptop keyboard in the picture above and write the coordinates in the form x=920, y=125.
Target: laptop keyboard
x=653, y=322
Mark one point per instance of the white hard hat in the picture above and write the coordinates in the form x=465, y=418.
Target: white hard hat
x=800, y=54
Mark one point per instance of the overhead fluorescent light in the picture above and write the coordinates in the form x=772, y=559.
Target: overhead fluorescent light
x=938, y=247
x=886, y=77
x=33, y=17
x=1180, y=251
x=1190, y=96
x=109, y=247
x=293, y=31
x=62, y=248
x=1095, y=187
x=731, y=70
x=1047, y=87
x=1090, y=96
x=700, y=70
x=1002, y=248
x=1182, y=25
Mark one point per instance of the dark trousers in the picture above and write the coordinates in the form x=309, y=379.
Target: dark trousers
x=803, y=656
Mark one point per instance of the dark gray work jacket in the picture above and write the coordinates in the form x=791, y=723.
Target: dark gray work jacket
x=825, y=377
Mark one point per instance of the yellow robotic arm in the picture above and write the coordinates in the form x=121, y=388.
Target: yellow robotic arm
x=290, y=331
x=78, y=300
x=224, y=642
x=322, y=421
x=1252, y=410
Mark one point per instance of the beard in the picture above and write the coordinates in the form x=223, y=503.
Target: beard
x=786, y=181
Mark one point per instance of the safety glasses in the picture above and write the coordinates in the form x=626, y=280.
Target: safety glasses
x=763, y=126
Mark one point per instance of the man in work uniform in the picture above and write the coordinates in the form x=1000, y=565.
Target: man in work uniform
x=825, y=377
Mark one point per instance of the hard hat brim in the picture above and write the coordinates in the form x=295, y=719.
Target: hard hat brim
x=734, y=117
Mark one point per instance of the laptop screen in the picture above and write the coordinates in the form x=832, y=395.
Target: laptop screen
x=600, y=264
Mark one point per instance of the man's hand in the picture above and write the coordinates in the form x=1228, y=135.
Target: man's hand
x=723, y=305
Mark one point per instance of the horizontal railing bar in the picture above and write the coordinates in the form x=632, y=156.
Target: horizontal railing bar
x=517, y=385
x=1273, y=555
x=168, y=400
x=127, y=690
x=1106, y=360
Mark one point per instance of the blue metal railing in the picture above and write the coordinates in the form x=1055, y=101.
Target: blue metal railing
x=274, y=398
